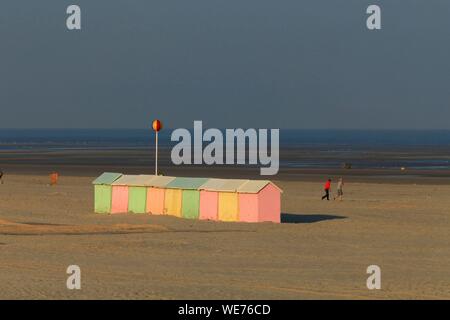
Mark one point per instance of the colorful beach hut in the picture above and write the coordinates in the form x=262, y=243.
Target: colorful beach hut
x=209, y=199
x=220, y=200
x=119, y=203
x=137, y=198
x=129, y=193
x=156, y=194
x=193, y=198
x=183, y=197
x=228, y=206
x=103, y=191
x=259, y=201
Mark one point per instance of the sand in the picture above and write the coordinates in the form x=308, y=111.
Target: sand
x=320, y=251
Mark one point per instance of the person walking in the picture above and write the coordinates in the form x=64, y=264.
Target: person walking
x=339, y=189
x=327, y=188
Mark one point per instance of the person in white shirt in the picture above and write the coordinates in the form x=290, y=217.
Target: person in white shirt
x=340, y=191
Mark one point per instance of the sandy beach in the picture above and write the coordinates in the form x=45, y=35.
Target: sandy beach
x=320, y=250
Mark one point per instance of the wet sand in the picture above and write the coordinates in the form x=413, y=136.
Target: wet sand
x=88, y=163
x=320, y=251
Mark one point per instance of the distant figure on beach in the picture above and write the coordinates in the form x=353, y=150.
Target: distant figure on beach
x=327, y=188
x=1, y=176
x=339, y=189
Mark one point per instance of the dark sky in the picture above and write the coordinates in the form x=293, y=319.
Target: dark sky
x=230, y=63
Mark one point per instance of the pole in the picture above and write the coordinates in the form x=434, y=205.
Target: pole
x=156, y=155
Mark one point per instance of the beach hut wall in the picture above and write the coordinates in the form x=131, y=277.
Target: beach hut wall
x=220, y=199
x=228, y=206
x=209, y=199
x=172, y=202
x=190, y=204
x=137, y=201
x=209, y=202
x=155, y=200
x=156, y=194
x=103, y=191
x=269, y=201
x=190, y=195
x=119, y=199
x=120, y=194
x=259, y=201
x=130, y=193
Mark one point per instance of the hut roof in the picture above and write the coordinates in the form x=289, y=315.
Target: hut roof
x=107, y=178
x=213, y=184
x=161, y=181
x=186, y=183
x=255, y=186
x=233, y=185
x=142, y=180
x=134, y=180
x=225, y=185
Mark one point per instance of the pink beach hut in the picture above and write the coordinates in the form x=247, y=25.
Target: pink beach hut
x=209, y=199
x=119, y=202
x=156, y=194
x=259, y=201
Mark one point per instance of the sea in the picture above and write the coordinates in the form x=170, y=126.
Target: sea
x=363, y=149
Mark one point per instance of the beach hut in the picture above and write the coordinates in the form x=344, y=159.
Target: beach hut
x=103, y=191
x=137, y=197
x=172, y=202
x=119, y=203
x=156, y=193
x=219, y=199
x=183, y=197
x=209, y=199
x=228, y=205
x=129, y=193
x=259, y=201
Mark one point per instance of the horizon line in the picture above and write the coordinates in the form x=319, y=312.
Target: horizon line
x=299, y=129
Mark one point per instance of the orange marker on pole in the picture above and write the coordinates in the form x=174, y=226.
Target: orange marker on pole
x=54, y=178
x=157, y=126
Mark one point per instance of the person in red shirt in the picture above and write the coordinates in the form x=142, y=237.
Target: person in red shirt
x=327, y=188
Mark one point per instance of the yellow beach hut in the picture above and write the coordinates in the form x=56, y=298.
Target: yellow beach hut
x=228, y=199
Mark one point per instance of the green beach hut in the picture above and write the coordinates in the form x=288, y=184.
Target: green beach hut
x=190, y=203
x=137, y=191
x=103, y=191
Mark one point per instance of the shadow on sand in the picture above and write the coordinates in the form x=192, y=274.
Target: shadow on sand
x=307, y=218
